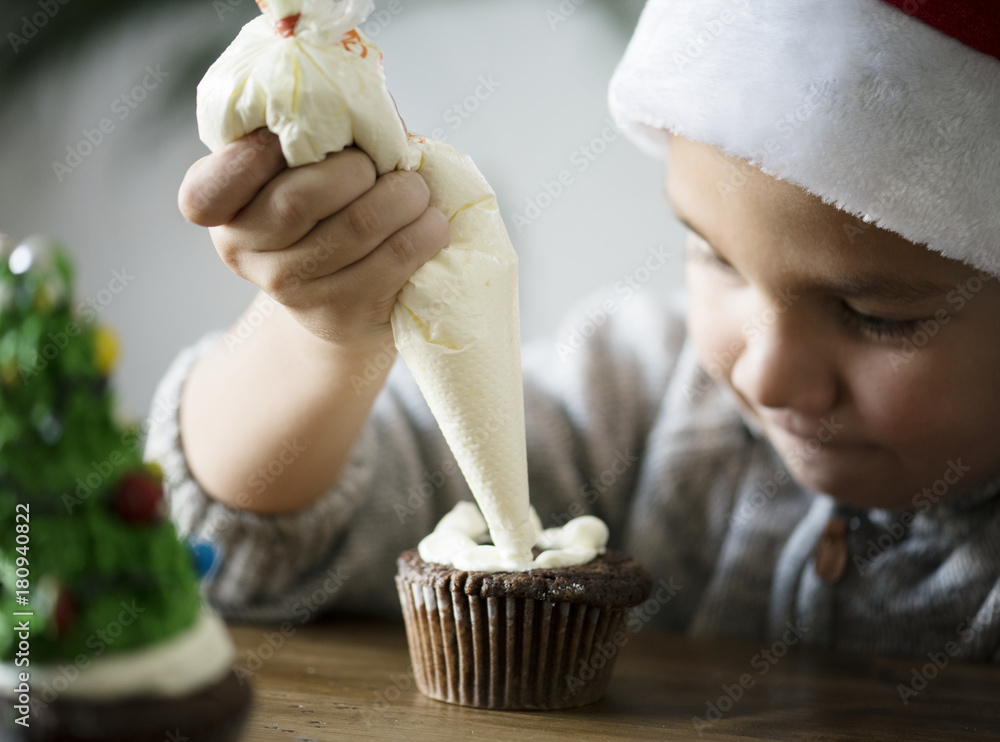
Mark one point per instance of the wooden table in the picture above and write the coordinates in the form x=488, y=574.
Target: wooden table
x=344, y=680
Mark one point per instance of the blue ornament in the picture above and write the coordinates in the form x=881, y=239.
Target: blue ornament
x=204, y=558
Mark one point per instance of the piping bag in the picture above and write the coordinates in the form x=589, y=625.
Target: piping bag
x=306, y=72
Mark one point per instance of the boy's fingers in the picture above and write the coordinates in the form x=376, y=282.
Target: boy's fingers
x=318, y=246
x=396, y=201
x=295, y=201
x=372, y=283
x=216, y=187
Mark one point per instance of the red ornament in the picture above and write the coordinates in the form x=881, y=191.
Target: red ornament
x=139, y=499
x=64, y=612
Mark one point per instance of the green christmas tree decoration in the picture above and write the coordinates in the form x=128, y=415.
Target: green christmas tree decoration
x=84, y=543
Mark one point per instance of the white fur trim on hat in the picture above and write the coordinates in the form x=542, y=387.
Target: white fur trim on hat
x=853, y=100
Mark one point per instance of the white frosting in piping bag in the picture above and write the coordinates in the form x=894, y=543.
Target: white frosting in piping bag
x=321, y=89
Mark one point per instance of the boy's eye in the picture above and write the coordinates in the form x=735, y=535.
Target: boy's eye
x=698, y=249
x=876, y=327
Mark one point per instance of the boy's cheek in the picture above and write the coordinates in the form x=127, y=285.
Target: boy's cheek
x=899, y=404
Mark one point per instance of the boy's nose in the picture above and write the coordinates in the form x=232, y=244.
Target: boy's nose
x=787, y=366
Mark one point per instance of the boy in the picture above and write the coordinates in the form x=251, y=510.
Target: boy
x=814, y=443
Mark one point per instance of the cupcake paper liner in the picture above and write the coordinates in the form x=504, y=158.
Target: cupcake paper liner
x=507, y=653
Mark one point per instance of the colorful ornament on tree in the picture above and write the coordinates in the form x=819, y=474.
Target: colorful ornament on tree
x=204, y=557
x=138, y=499
x=64, y=613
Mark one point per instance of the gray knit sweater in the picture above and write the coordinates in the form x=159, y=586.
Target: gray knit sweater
x=628, y=427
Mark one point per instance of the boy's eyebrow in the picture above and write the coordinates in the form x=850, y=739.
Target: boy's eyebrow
x=690, y=227
x=889, y=288
x=885, y=288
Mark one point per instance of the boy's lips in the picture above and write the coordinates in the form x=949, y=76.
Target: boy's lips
x=813, y=439
x=828, y=433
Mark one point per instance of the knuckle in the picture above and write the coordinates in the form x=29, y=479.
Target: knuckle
x=363, y=220
x=231, y=255
x=289, y=205
x=380, y=308
x=414, y=186
x=281, y=286
x=195, y=200
x=438, y=227
x=359, y=168
x=204, y=188
x=403, y=249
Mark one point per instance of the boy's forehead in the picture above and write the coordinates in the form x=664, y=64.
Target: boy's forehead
x=734, y=206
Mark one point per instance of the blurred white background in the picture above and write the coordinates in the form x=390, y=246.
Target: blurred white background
x=520, y=85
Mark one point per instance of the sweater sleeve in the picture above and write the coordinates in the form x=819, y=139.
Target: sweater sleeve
x=590, y=397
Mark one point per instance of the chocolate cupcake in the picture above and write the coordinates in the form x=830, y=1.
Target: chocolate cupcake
x=517, y=640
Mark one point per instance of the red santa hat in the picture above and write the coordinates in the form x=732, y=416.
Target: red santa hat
x=888, y=109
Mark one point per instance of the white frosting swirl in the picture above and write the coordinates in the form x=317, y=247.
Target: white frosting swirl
x=455, y=541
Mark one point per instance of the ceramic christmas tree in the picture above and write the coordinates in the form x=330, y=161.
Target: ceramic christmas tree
x=102, y=632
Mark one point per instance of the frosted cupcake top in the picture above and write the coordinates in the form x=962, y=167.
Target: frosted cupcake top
x=455, y=541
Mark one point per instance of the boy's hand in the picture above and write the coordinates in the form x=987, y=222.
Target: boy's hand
x=329, y=241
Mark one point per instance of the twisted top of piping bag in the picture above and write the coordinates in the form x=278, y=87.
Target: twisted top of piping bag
x=339, y=16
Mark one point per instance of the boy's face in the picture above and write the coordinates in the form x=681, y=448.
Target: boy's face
x=871, y=364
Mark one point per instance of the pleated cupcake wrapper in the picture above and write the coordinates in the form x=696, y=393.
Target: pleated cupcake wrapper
x=508, y=653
